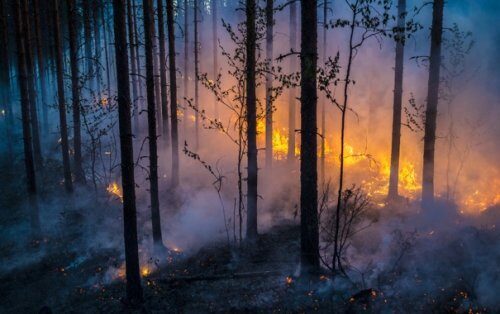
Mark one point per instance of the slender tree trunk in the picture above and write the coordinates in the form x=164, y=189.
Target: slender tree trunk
x=75, y=91
x=398, y=97
x=134, y=289
x=309, y=241
x=292, y=98
x=5, y=96
x=173, y=92
x=88, y=41
x=25, y=114
x=186, y=62
x=323, y=105
x=432, y=103
x=106, y=49
x=336, y=263
x=139, y=69
x=41, y=65
x=97, y=44
x=196, y=74
x=68, y=184
x=163, y=72
x=133, y=63
x=251, y=104
x=215, y=52
x=156, y=75
x=37, y=149
x=269, y=83
x=153, y=151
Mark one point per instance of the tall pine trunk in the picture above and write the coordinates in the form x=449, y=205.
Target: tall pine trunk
x=269, y=83
x=41, y=65
x=133, y=63
x=25, y=114
x=173, y=92
x=68, y=184
x=186, y=62
x=134, y=289
x=196, y=74
x=309, y=240
x=30, y=68
x=156, y=74
x=87, y=33
x=163, y=72
x=397, y=102
x=215, y=48
x=251, y=112
x=96, y=7
x=323, y=100
x=153, y=150
x=432, y=103
x=75, y=93
x=292, y=97
x=5, y=87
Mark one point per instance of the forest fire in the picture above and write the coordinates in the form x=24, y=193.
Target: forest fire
x=115, y=190
x=277, y=156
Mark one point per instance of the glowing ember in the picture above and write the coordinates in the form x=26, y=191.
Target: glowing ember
x=145, y=271
x=114, y=189
x=288, y=280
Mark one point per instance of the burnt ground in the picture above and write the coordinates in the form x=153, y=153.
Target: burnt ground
x=64, y=273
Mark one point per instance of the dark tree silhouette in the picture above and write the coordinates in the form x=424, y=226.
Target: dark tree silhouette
x=196, y=46
x=87, y=34
x=30, y=68
x=186, y=60
x=173, y=92
x=269, y=83
x=134, y=289
x=309, y=240
x=213, y=6
x=153, y=150
x=398, y=96
x=251, y=110
x=41, y=64
x=292, y=101
x=133, y=62
x=75, y=92
x=25, y=114
x=163, y=71
x=68, y=184
x=5, y=78
x=432, y=103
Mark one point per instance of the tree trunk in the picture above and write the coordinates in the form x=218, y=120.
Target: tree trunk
x=163, y=72
x=134, y=289
x=323, y=100
x=186, y=62
x=292, y=98
x=139, y=70
x=75, y=91
x=30, y=68
x=96, y=7
x=251, y=122
x=215, y=52
x=156, y=74
x=196, y=73
x=106, y=49
x=309, y=241
x=432, y=103
x=25, y=114
x=88, y=41
x=398, y=97
x=133, y=63
x=68, y=184
x=5, y=96
x=153, y=151
x=41, y=65
x=269, y=83
x=173, y=92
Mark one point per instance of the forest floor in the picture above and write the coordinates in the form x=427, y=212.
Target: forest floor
x=63, y=272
